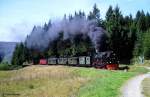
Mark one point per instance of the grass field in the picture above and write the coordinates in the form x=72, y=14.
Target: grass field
x=146, y=63
x=146, y=87
x=63, y=81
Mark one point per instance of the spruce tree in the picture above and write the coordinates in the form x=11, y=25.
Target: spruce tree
x=20, y=54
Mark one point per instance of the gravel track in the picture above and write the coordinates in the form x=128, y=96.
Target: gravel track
x=133, y=88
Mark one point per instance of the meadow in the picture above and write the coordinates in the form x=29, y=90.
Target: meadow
x=146, y=87
x=64, y=81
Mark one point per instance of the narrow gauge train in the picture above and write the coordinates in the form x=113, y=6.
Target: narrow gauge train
x=101, y=60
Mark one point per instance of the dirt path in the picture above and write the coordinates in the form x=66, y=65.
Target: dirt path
x=133, y=87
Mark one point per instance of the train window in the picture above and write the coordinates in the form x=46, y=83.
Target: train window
x=52, y=61
x=88, y=60
x=81, y=60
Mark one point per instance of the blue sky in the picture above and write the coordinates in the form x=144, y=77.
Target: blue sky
x=17, y=17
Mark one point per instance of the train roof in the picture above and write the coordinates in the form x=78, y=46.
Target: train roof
x=106, y=54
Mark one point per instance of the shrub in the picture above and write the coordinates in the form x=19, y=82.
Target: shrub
x=4, y=66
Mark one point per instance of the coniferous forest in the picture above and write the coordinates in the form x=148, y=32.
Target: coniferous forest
x=127, y=36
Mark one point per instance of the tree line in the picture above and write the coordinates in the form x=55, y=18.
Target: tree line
x=127, y=36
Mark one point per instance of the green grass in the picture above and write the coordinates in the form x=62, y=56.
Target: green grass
x=63, y=81
x=104, y=83
x=138, y=69
x=146, y=87
x=146, y=63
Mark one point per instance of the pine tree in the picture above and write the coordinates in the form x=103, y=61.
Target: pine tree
x=146, y=44
x=141, y=24
x=49, y=24
x=20, y=54
x=148, y=20
x=95, y=14
x=138, y=14
x=121, y=36
x=109, y=13
x=1, y=58
x=45, y=27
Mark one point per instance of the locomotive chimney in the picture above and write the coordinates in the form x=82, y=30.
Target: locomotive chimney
x=96, y=50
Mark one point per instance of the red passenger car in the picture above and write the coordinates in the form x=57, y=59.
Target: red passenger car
x=43, y=62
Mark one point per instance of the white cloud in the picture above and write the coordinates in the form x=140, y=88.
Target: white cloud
x=16, y=32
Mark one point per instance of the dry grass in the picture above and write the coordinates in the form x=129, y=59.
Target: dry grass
x=146, y=63
x=63, y=81
x=146, y=87
x=34, y=81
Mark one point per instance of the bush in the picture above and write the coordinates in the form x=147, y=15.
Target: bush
x=31, y=86
x=4, y=66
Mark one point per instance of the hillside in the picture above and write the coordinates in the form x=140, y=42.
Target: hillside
x=6, y=50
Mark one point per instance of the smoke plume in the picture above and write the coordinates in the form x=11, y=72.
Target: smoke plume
x=40, y=37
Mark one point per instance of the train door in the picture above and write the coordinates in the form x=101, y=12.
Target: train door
x=88, y=61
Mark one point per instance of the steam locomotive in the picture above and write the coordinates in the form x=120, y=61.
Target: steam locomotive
x=101, y=60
